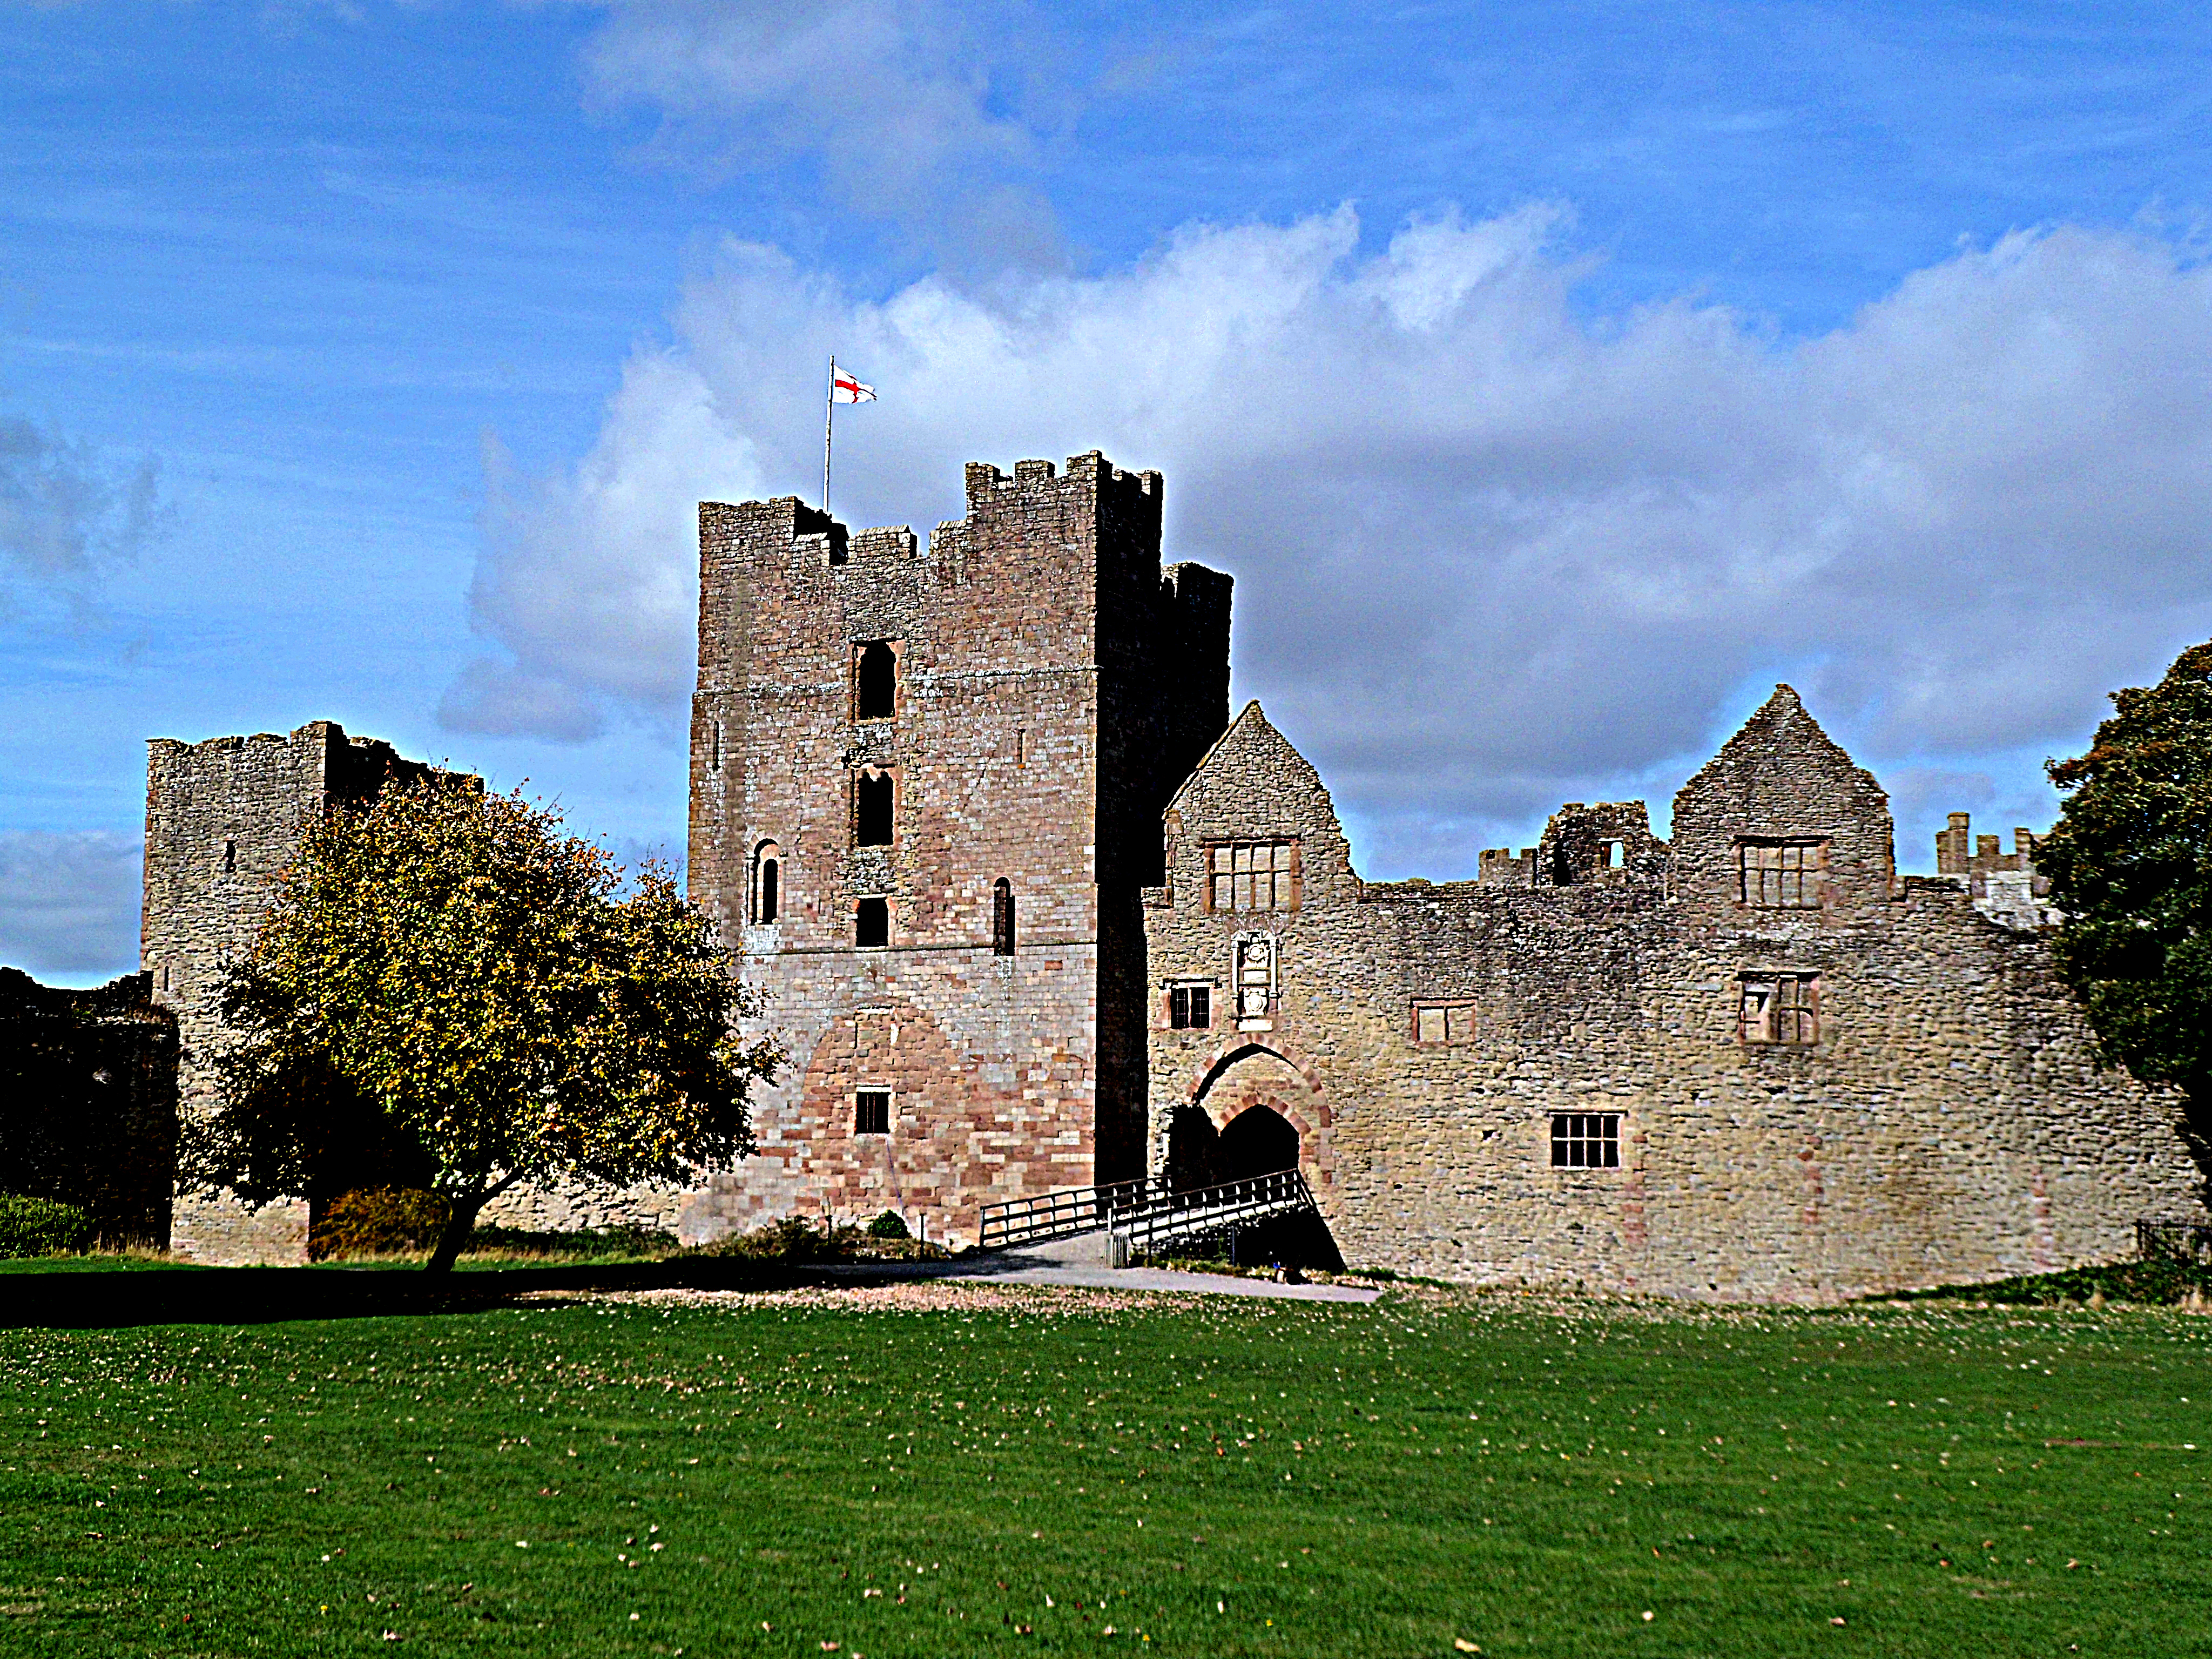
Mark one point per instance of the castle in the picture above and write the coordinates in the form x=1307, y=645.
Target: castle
x=1030, y=913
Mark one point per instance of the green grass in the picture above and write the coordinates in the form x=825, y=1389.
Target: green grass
x=1216, y=1476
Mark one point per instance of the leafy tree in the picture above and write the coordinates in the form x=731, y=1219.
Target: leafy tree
x=448, y=988
x=2130, y=865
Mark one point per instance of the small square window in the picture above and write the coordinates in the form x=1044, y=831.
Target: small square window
x=1586, y=1140
x=1781, y=1009
x=1190, y=1007
x=872, y=1112
x=1444, y=1022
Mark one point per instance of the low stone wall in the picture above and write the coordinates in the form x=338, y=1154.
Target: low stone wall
x=582, y=1207
x=222, y=1232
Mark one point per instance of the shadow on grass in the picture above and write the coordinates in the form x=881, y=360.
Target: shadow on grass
x=85, y=1294
x=90, y=1292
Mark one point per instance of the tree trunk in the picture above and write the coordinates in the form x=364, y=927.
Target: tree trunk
x=459, y=1226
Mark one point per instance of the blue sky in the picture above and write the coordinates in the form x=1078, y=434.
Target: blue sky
x=1555, y=379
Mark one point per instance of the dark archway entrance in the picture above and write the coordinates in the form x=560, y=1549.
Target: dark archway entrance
x=1258, y=1141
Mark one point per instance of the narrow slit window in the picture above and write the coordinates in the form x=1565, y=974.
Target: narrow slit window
x=872, y=1112
x=872, y=809
x=871, y=922
x=1585, y=1141
x=1002, y=918
x=767, y=884
x=229, y=855
x=875, y=681
x=1190, y=1007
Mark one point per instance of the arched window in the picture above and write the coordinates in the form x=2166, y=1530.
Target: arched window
x=767, y=884
x=872, y=809
x=1002, y=918
x=875, y=681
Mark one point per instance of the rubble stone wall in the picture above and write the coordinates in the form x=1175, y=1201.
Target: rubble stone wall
x=1946, y=1122
x=223, y=819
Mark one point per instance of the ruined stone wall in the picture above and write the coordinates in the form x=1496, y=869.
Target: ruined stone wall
x=88, y=1102
x=1947, y=1123
x=1033, y=737
x=223, y=819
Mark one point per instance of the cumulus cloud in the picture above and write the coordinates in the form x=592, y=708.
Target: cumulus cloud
x=1492, y=549
x=64, y=508
x=928, y=115
x=69, y=903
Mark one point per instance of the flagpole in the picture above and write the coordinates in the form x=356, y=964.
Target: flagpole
x=829, y=422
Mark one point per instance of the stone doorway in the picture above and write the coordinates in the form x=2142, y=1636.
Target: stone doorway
x=1257, y=1141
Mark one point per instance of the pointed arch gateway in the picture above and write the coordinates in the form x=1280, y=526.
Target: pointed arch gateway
x=1252, y=1111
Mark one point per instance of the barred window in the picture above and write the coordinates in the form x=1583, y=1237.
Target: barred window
x=1252, y=875
x=1444, y=1022
x=872, y=1112
x=1002, y=918
x=1779, y=1008
x=1190, y=1007
x=1586, y=1140
x=1780, y=875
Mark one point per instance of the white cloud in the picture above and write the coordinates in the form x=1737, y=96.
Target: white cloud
x=926, y=114
x=69, y=903
x=64, y=508
x=1491, y=549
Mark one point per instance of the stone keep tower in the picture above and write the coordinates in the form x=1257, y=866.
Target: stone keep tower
x=926, y=796
x=223, y=818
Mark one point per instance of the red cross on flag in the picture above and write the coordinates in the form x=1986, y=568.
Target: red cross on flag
x=844, y=389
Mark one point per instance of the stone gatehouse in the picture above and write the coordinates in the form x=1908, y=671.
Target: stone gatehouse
x=1748, y=1062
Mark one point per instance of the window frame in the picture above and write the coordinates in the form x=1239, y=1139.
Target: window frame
x=1193, y=992
x=1285, y=873
x=1573, y=1133
x=1002, y=918
x=860, y=649
x=765, y=909
x=869, y=1104
x=887, y=776
x=1793, y=997
x=859, y=904
x=1782, y=874
x=1453, y=1012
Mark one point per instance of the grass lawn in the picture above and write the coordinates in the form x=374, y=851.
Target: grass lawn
x=952, y=1471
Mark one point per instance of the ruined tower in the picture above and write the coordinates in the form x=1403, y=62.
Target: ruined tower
x=223, y=818
x=926, y=795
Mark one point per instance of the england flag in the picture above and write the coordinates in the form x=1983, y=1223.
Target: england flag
x=844, y=389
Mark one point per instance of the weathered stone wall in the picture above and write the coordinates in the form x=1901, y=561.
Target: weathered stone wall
x=1053, y=686
x=575, y=1207
x=1947, y=1123
x=88, y=1102
x=223, y=818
